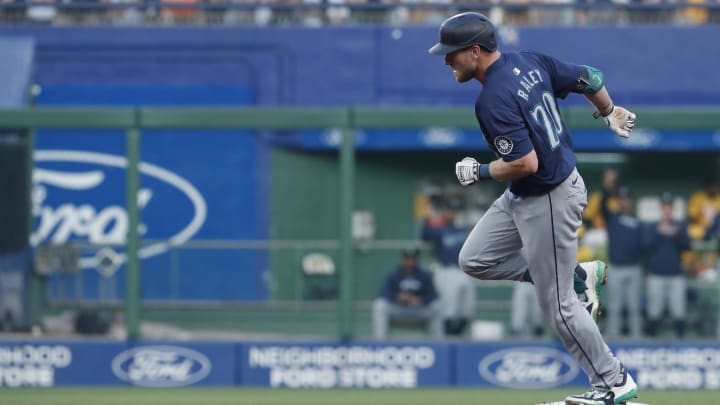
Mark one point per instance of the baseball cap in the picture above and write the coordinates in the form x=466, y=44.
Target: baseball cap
x=411, y=252
x=667, y=198
x=450, y=204
x=623, y=191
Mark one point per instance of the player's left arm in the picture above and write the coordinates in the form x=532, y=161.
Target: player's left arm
x=591, y=83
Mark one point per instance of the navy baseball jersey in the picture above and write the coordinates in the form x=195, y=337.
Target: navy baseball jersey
x=518, y=112
x=419, y=284
x=447, y=240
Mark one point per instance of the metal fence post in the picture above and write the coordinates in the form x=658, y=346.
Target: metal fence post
x=347, y=188
x=132, y=268
x=36, y=282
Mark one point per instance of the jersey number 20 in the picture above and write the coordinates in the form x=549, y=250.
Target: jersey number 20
x=547, y=115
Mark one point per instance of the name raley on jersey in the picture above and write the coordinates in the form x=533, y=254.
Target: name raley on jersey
x=527, y=81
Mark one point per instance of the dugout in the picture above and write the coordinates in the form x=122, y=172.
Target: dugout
x=390, y=182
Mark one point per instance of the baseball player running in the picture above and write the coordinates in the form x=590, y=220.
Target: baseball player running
x=541, y=210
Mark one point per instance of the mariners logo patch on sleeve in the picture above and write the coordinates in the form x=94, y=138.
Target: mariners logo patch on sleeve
x=503, y=145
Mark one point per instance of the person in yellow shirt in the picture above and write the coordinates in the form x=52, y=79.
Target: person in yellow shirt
x=703, y=205
x=586, y=253
x=593, y=211
x=694, y=15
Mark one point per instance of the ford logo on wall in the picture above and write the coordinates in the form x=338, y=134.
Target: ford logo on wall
x=79, y=195
x=161, y=366
x=440, y=137
x=528, y=367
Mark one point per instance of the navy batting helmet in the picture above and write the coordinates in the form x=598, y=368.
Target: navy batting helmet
x=464, y=30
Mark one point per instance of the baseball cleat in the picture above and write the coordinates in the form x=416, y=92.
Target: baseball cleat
x=619, y=393
x=596, y=277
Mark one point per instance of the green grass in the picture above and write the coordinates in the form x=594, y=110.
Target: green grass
x=224, y=396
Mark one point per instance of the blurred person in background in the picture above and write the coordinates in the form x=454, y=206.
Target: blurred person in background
x=593, y=212
x=516, y=12
x=714, y=18
x=339, y=13
x=455, y=288
x=712, y=232
x=179, y=14
x=600, y=12
x=14, y=13
x=42, y=11
x=408, y=295
x=666, y=283
x=311, y=16
x=625, y=249
x=132, y=14
x=703, y=206
x=556, y=16
x=702, y=209
x=652, y=12
x=261, y=14
x=713, y=275
x=526, y=317
x=693, y=15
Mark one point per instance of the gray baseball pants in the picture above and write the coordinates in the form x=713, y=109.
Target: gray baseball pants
x=385, y=311
x=525, y=314
x=456, y=291
x=546, y=226
x=667, y=289
x=624, y=291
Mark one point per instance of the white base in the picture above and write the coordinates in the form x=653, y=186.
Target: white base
x=487, y=330
x=563, y=403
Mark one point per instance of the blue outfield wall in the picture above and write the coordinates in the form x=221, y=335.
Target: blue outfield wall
x=335, y=365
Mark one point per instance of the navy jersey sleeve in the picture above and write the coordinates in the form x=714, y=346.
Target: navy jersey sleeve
x=429, y=293
x=604, y=208
x=390, y=287
x=713, y=230
x=505, y=130
x=683, y=239
x=650, y=236
x=564, y=76
x=430, y=234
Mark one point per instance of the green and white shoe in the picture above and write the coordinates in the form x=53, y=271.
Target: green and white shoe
x=619, y=393
x=596, y=277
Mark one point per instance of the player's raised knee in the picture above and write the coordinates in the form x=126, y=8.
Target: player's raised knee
x=471, y=264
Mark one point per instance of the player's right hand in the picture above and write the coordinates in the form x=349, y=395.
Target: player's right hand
x=466, y=171
x=621, y=121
